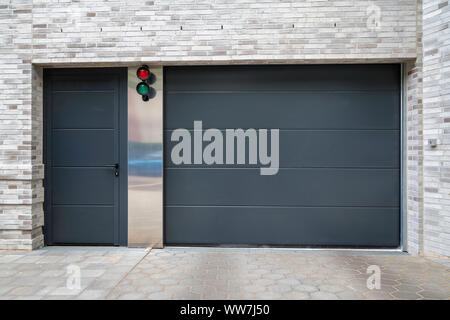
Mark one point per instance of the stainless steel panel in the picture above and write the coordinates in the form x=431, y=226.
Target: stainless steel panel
x=145, y=152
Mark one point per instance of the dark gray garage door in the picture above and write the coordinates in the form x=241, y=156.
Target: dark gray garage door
x=85, y=114
x=339, y=178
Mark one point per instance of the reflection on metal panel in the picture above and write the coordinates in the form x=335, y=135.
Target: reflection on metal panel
x=145, y=181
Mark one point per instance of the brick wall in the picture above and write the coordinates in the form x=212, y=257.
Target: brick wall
x=21, y=169
x=414, y=144
x=202, y=31
x=125, y=32
x=436, y=124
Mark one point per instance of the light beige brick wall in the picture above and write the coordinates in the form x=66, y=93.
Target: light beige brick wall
x=414, y=145
x=428, y=108
x=436, y=124
x=21, y=171
x=180, y=31
x=124, y=32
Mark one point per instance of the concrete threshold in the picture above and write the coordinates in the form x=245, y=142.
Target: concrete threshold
x=395, y=251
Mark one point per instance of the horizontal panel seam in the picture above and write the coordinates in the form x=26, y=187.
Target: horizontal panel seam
x=272, y=206
x=292, y=129
x=277, y=91
x=293, y=168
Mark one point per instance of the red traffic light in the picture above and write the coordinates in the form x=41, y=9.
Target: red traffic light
x=143, y=73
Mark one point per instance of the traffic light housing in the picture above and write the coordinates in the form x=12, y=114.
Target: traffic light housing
x=147, y=78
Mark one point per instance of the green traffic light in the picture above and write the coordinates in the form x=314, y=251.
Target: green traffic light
x=142, y=88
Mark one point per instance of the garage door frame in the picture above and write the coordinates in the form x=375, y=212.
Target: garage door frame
x=123, y=148
x=403, y=161
x=402, y=167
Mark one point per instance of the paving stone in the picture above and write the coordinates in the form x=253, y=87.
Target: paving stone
x=132, y=296
x=359, y=285
x=239, y=282
x=187, y=296
x=434, y=287
x=137, y=276
x=350, y=295
x=243, y=296
x=149, y=288
x=321, y=295
x=263, y=282
x=63, y=291
x=280, y=288
x=28, y=298
x=289, y=282
x=434, y=295
x=8, y=273
x=311, y=282
x=377, y=295
x=273, y=276
x=160, y=295
x=168, y=282
x=295, y=295
x=92, y=294
x=201, y=289
x=405, y=295
x=409, y=288
x=103, y=284
x=143, y=283
x=9, y=258
x=330, y=288
x=305, y=288
x=92, y=273
x=198, y=274
x=267, y=295
x=253, y=288
x=24, y=291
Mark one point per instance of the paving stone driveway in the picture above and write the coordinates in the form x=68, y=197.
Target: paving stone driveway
x=177, y=273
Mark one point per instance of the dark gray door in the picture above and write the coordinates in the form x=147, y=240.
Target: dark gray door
x=85, y=111
x=339, y=177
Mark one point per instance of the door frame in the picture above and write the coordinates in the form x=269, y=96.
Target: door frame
x=403, y=160
x=123, y=146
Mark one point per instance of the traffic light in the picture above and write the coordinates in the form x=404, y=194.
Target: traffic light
x=147, y=78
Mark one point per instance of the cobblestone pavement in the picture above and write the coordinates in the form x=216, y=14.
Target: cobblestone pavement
x=45, y=273
x=177, y=273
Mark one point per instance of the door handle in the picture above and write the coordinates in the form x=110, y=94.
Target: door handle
x=116, y=168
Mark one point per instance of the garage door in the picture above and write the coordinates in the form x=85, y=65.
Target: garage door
x=338, y=182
